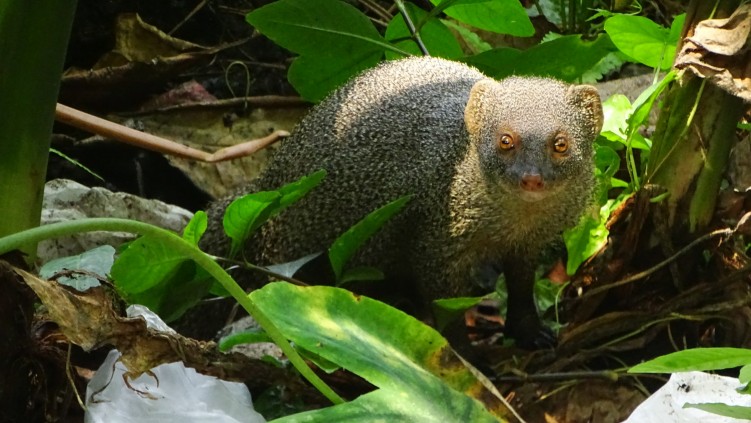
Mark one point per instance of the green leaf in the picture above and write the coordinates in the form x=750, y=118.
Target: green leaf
x=676, y=28
x=696, y=359
x=447, y=310
x=196, y=227
x=585, y=239
x=347, y=244
x=497, y=63
x=314, y=77
x=309, y=28
x=471, y=39
x=643, y=40
x=745, y=375
x=438, y=39
x=251, y=336
x=733, y=411
x=147, y=272
x=419, y=376
x=296, y=190
x=245, y=214
x=607, y=161
x=363, y=273
x=616, y=110
x=501, y=16
x=566, y=58
x=97, y=261
x=643, y=104
x=335, y=41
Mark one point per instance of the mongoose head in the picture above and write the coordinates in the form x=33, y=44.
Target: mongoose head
x=533, y=136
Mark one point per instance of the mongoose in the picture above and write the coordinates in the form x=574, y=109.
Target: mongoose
x=496, y=170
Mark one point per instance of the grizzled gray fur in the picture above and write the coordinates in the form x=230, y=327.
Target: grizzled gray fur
x=497, y=171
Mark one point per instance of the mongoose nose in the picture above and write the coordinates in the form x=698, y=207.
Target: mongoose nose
x=532, y=182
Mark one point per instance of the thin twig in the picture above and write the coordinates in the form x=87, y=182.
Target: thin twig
x=151, y=142
x=71, y=380
x=195, y=10
x=557, y=377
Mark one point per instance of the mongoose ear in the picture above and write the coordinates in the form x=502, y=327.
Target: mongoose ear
x=587, y=97
x=474, y=109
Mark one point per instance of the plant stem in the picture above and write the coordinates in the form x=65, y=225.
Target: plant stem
x=56, y=230
x=411, y=27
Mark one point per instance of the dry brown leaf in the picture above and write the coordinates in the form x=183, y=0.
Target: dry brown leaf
x=720, y=50
x=88, y=319
x=141, y=61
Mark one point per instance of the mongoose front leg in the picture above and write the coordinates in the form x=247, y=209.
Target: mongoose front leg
x=522, y=319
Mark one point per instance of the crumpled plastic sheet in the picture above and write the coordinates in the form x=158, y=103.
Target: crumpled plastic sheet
x=666, y=405
x=720, y=50
x=171, y=393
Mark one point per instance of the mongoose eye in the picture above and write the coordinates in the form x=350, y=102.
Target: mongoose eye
x=506, y=142
x=560, y=145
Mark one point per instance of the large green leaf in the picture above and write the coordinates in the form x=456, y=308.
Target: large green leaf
x=315, y=76
x=152, y=274
x=335, y=41
x=566, y=58
x=643, y=40
x=437, y=38
x=502, y=16
x=310, y=27
x=419, y=376
x=696, y=359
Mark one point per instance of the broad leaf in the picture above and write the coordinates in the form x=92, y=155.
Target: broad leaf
x=335, y=41
x=696, y=359
x=643, y=40
x=312, y=27
x=151, y=274
x=314, y=77
x=501, y=16
x=419, y=376
x=566, y=58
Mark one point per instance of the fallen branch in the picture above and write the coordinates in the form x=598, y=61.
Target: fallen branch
x=151, y=142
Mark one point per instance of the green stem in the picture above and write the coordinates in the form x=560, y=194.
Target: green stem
x=56, y=230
